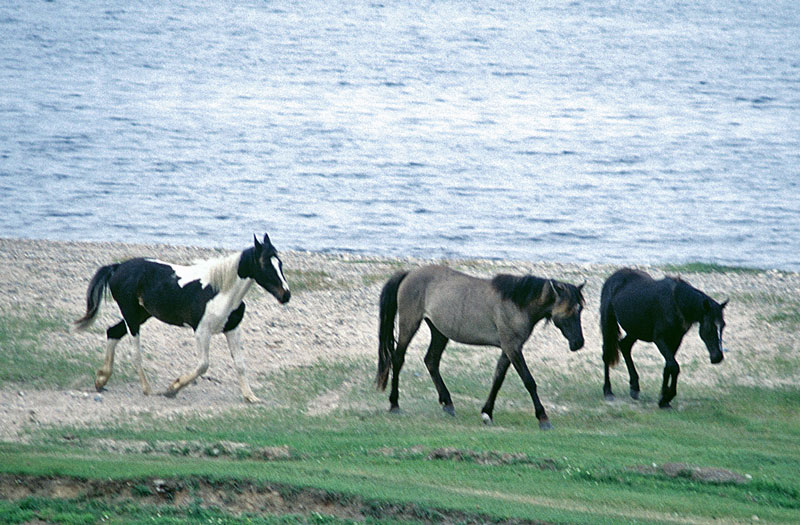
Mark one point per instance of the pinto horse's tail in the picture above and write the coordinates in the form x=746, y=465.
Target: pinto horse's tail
x=386, y=342
x=609, y=327
x=94, y=295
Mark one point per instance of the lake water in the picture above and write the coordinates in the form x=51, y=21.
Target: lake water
x=618, y=132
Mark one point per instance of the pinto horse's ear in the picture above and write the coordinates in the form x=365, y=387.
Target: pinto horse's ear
x=580, y=286
x=258, y=245
x=266, y=241
x=724, y=303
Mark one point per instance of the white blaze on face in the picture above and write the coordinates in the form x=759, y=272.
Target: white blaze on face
x=277, y=265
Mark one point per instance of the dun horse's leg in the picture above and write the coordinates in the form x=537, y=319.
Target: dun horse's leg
x=203, y=338
x=515, y=356
x=625, y=347
x=137, y=359
x=406, y=331
x=113, y=336
x=432, y=359
x=669, y=386
x=499, y=376
x=235, y=346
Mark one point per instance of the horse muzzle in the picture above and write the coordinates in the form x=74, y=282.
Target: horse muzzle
x=717, y=358
x=576, y=344
x=284, y=297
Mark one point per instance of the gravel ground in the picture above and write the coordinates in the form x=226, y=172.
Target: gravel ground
x=333, y=315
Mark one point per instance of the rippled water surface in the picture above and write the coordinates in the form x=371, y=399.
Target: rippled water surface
x=623, y=132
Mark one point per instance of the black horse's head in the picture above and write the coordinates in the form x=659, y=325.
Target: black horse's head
x=566, y=312
x=268, y=270
x=711, y=327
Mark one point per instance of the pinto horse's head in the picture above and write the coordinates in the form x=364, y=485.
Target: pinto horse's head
x=268, y=270
x=566, y=312
x=711, y=327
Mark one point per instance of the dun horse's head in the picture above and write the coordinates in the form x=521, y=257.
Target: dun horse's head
x=269, y=270
x=711, y=327
x=566, y=312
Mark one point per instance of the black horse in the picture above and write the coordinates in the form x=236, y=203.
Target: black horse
x=655, y=311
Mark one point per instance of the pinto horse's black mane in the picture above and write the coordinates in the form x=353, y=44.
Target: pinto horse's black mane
x=520, y=290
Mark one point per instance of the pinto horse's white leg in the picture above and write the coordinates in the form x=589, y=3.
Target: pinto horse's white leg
x=137, y=359
x=235, y=346
x=203, y=338
x=104, y=372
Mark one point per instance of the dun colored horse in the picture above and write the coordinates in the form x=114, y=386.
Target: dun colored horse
x=500, y=312
x=208, y=297
x=655, y=311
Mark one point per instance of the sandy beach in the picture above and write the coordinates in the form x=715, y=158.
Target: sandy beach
x=333, y=315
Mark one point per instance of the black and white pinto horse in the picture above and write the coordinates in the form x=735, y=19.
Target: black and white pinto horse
x=207, y=296
x=660, y=312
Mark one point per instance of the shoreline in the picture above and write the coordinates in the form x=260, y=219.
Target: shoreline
x=333, y=316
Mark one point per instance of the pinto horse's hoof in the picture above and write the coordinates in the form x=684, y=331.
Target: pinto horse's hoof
x=170, y=393
x=449, y=409
x=544, y=424
x=487, y=419
x=634, y=394
x=609, y=397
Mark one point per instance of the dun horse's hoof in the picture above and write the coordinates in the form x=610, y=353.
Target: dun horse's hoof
x=486, y=418
x=634, y=394
x=449, y=409
x=544, y=424
x=609, y=397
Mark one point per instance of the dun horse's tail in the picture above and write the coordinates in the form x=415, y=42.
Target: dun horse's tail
x=94, y=295
x=386, y=342
x=609, y=327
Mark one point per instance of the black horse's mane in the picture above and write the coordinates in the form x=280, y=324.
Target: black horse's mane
x=520, y=290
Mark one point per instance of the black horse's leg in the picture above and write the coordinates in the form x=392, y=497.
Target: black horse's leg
x=499, y=376
x=514, y=354
x=607, y=393
x=432, y=359
x=669, y=386
x=625, y=347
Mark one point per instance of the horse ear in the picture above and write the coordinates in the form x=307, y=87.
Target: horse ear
x=258, y=245
x=724, y=303
x=580, y=286
x=267, y=242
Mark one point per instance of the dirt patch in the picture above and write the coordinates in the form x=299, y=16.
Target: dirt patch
x=490, y=457
x=234, y=497
x=695, y=473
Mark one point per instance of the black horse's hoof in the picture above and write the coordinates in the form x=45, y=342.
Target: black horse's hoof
x=609, y=397
x=394, y=409
x=544, y=424
x=634, y=394
x=449, y=409
x=664, y=406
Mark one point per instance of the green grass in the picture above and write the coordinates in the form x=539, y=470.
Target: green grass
x=595, y=466
x=24, y=359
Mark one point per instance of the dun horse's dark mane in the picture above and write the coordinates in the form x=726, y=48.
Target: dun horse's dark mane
x=520, y=290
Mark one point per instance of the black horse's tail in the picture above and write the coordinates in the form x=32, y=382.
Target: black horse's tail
x=609, y=326
x=94, y=295
x=386, y=342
